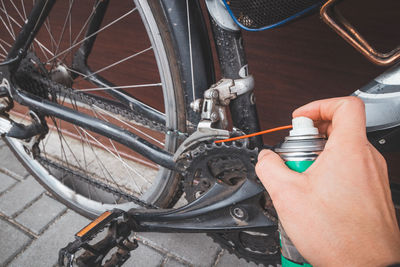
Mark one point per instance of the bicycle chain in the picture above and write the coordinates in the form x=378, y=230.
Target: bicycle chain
x=97, y=184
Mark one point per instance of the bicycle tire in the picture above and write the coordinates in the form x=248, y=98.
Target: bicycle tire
x=167, y=189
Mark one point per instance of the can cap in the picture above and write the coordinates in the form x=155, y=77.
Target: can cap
x=303, y=126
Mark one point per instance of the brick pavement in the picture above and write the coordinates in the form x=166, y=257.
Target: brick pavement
x=34, y=226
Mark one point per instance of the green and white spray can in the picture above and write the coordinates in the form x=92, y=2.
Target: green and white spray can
x=299, y=150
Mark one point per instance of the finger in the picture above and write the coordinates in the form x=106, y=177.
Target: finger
x=347, y=115
x=273, y=172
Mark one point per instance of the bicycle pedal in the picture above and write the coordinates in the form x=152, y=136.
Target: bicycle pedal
x=117, y=236
x=96, y=225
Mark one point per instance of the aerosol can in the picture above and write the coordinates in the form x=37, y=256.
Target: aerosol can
x=299, y=150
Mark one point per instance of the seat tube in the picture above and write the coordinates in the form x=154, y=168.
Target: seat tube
x=233, y=64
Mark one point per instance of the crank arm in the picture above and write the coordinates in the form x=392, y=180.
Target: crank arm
x=222, y=208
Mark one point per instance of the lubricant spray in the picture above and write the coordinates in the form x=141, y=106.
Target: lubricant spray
x=299, y=150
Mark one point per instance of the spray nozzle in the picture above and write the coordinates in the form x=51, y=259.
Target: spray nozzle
x=303, y=126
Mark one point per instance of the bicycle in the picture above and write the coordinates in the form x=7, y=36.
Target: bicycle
x=68, y=101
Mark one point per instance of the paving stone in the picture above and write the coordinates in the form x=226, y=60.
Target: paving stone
x=9, y=162
x=229, y=260
x=5, y=182
x=40, y=214
x=19, y=196
x=44, y=251
x=173, y=263
x=198, y=249
x=12, y=241
x=144, y=256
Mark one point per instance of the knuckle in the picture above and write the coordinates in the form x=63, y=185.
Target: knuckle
x=264, y=153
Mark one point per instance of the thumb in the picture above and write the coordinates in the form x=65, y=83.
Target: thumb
x=273, y=172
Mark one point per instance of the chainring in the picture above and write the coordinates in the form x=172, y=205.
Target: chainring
x=230, y=164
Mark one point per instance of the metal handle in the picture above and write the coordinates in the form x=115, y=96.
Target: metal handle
x=329, y=13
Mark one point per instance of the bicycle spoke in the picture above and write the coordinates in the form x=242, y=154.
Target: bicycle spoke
x=86, y=23
x=114, y=64
x=19, y=13
x=8, y=18
x=108, y=150
x=86, y=140
x=53, y=42
x=63, y=28
x=93, y=34
x=126, y=165
x=6, y=43
x=5, y=25
x=74, y=71
x=70, y=33
x=129, y=170
x=2, y=48
x=99, y=162
x=122, y=162
x=119, y=87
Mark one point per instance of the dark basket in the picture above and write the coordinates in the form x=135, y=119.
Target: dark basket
x=264, y=14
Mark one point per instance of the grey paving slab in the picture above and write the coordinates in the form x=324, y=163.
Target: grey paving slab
x=198, y=249
x=5, y=182
x=230, y=260
x=19, y=196
x=43, y=252
x=173, y=263
x=40, y=214
x=12, y=241
x=144, y=256
x=10, y=163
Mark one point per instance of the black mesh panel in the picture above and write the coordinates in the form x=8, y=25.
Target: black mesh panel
x=256, y=14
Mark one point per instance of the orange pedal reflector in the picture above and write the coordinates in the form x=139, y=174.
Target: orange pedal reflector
x=99, y=221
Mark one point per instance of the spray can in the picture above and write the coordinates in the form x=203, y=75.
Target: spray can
x=299, y=150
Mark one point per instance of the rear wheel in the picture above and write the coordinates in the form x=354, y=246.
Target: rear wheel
x=88, y=172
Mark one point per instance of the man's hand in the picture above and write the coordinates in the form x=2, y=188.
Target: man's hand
x=339, y=212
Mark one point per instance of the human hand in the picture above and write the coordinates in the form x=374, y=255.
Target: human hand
x=339, y=212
